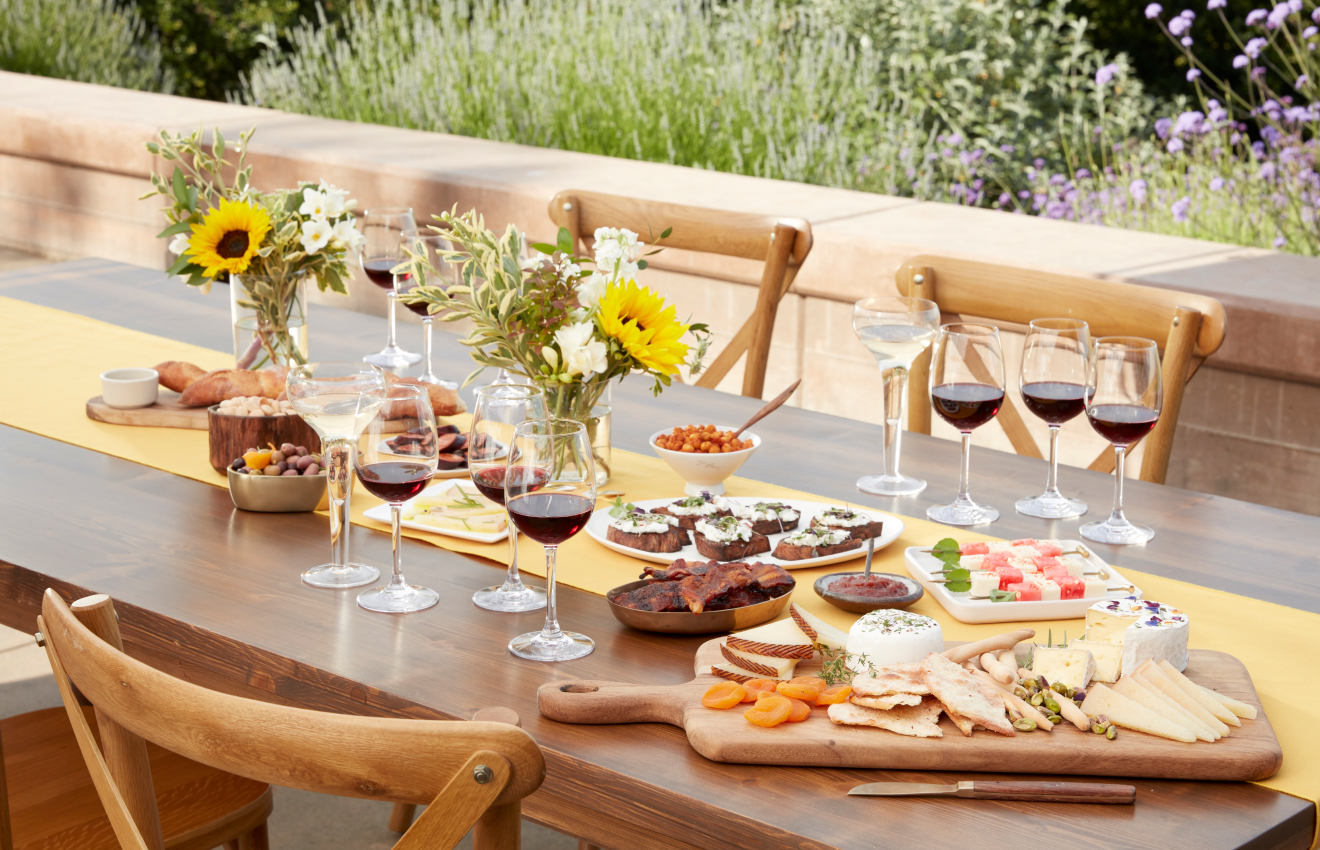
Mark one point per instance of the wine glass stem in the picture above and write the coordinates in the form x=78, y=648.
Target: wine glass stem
x=426, y=336
x=393, y=297
x=513, y=583
x=396, y=520
x=966, y=474
x=1120, y=455
x=1052, y=486
x=551, y=630
x=893, y=384
x=338, y=457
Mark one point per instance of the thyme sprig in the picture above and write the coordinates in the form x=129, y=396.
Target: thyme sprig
x=836, y=665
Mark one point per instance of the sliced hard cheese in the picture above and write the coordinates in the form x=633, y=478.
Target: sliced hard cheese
x=491, y=524
x=766, y=666
x=1071, y=667
x=781, y=639
x=1241, y=709
x=1128, y=714
x=1146, y=630
x=738, y=674
x=1151, y=672
x=1108, y=658
x=817, y=629
x=1203, y=699
x=1144, y=695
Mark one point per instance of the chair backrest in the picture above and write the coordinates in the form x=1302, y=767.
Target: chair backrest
x=470, y=773
x=1187, y=327
x=781, y=243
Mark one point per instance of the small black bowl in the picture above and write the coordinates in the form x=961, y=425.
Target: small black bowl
x=866, y=604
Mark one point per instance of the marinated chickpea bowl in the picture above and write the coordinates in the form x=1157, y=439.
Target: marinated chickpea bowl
x=707, y=455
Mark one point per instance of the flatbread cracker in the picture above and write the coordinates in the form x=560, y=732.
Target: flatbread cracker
x=964, y=725
x=888, y=701
x=965, y=695
x=916, y=721
x=893, y=679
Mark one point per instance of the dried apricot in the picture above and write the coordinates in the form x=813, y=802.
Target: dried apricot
x=799, y=690
x=770, y=710
x=810, y=680
x=801, y=711
x=723, y=695
x=834, y=695
x=757, y=686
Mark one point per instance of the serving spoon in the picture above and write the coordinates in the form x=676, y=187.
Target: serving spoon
x=770, y=407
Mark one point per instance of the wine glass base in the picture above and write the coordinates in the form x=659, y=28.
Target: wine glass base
x=1051, y=507
x=393, y=358
x=334, y=576
x=388, y=599
x=963, y=514
x=1117, y=533
x=534, y=646
x=497, y=599
x=428, y=378
x=890, y=485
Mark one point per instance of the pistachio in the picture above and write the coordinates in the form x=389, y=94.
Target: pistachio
x=1055, y=719
x=1103, y=718
x=1037, y=699
x=1020, y=692
x=1059, y=688
x=1030, y=684
x=1044, y=684
x=1111, y=733
x=1071, y=692
x=1097, y=729
x=1052, y=705
x=1025, y=724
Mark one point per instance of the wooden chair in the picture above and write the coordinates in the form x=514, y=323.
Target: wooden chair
x=781, y=243
x=1188, y=328
x=470, y=774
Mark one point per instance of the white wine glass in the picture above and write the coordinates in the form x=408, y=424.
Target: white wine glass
x=550, y=493
x=381, y=252
x=966, y=390
x=1123, y=400
x=338, y=399
x=896, y=330
x=1056, y=364
x=433, y=272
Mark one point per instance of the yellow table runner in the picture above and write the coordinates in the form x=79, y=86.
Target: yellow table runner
x=47, y=396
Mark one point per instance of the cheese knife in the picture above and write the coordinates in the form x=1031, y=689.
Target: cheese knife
x=1040, y=792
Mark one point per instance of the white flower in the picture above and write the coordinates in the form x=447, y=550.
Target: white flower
x=314, y=205
x=534, y=262
x=583, y=354
x=592, y=289
x=337, y=201
x=179, y=244
x=346, y=234
x=617, y=253
x=315, y=235
x=569, y=271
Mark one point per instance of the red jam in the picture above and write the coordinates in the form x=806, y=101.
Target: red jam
x=876, y=587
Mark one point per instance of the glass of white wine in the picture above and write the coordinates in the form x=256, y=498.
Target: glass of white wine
x=338, y=399
x=896, y=330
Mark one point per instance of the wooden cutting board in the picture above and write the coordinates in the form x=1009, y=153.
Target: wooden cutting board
x=1250, y=752
x=165, y=413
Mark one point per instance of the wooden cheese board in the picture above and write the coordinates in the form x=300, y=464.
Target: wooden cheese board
x=165, y=413
x=1251, y=752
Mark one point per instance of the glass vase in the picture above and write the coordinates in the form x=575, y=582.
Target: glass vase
x=269, y=316
x=589, y=403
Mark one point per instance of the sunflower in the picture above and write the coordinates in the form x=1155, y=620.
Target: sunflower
x=641, y=323
x=228, y=237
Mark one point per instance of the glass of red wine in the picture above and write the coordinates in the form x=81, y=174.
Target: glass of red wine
x=500, y=408
x=966, y=390
x=1056, y=364
x=396, y=478
x=433, y=272
x=382, y=250
x=1123, y=400
x=550, y=493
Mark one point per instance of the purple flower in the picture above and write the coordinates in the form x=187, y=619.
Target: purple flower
x=1179, y=25
x=1278, y=15
x=1301, y=81
x=1218, y=114
x=1137, y=189
x=956, y=139
x=1254, y=47
x=1174, y=145
x=1057, y=179
x=1083, y=173
x=1267, y=171
x=1241, y=61
x=1216, y=4
x=1216, y=184
x=1255, y=16
x=1279, y=242
x=1024, y=194
x=1039, y=163
x=1309, y=32
x=1186, y=41
x=1007, y=148
x=1153, y=10
x=1004, y=199
x=1162, y=127
x=1315, y=15
x=1257, y=72
x=1192, y=75
x=1105, y=74
x=1294, y=6
x=1188, y=122
x=1180, y=208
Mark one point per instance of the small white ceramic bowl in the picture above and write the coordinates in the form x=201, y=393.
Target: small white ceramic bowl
x=706, y=472
x=126, y=388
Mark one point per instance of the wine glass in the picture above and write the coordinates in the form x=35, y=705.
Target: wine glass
x=338, y=399
x=396, y=478
x=1056, y=364
x=382, y=250
x=498, y=411
x=1123, y=399
x=897, y=331
x=427, y=246
x=550, y=492
x=967, y=390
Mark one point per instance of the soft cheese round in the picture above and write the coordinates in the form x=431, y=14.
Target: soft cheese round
x=1155, y=631
x=892, y=636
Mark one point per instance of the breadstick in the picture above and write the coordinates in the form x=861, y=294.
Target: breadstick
x=1070, y=711
x=1027, y=709
x=959, y=654
x=995, y=668
x=1008, y=658
x=1023, y=673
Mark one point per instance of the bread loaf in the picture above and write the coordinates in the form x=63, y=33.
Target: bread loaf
x=444, y=401
x=177, y=375
x=221, y=384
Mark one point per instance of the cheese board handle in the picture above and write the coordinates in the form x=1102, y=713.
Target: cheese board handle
x=1049, y=792
x=586, y=701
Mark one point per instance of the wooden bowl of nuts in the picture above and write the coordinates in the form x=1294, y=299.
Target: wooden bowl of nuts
x=238, y=424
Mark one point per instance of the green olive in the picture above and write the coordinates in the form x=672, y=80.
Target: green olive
x=1025, y=724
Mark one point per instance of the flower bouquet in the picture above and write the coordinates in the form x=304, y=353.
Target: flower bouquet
x=539, y=312
x=264, y=244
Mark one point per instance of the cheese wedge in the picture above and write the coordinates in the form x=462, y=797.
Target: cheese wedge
x=1241, y=709
x=817, y=629
x=1108, y=658
x=766, y=666
x=1071, y=667
x=454, y=496
x=1151, y=672
x=490, y=524
x=1203, y=699
x=1130, y=715
x=780, y=639
x=738, y=674
x=1144, y=695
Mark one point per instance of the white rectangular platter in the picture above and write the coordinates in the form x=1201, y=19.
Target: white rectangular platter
x=893, y=527
x=968, y=610
x=381, y=513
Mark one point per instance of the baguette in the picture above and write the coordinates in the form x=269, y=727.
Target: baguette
x=733, y=550
x=666, y=541
x=444, y=401
x=223, y=384
x=177, y=375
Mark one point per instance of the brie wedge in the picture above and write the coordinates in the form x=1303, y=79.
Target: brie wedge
x=1108, y=658
x=1072, y=667
x=1147, y=631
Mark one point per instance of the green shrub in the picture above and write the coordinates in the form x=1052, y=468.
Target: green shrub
x=92, y=41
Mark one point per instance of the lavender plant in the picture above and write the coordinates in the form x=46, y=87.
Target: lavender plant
x=92, y=41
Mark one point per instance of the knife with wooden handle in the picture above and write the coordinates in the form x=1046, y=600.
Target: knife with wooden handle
x=1038, y=792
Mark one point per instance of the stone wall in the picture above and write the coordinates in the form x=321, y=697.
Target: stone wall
x=72, y=165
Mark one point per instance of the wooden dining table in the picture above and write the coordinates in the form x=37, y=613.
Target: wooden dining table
x=212, y=594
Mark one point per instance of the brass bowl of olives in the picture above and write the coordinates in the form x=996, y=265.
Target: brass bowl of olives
x=278, y=493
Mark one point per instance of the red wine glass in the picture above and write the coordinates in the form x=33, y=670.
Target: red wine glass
x=500, y=408
x=381, y=252
x=396, y=478
x=966, y=390
x=433, y=271
x=1056, y=364
x=550, y=493
x=1124, y=395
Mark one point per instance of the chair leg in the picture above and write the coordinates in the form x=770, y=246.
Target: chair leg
x=500, y=828
x=402, y=817
x=254, y=840
x=584, y=844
